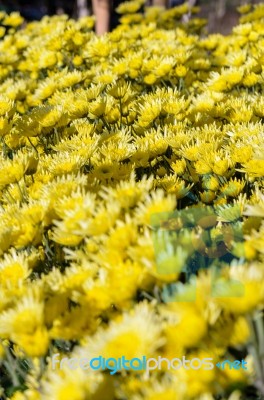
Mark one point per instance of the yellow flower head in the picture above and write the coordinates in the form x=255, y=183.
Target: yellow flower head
x=125, y=335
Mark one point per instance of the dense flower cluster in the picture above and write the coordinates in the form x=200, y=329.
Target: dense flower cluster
x=97, y=134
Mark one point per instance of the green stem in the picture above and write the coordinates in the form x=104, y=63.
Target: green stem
x=33, y=146
x=260, y=334
x=57, y=136
x=42, y=366
x=8, y=200
x=120, y=104
x=253, y=349
x=181, y=84
x=9, y=364
x=5, y=148
x=106, y=124
x=20, y=190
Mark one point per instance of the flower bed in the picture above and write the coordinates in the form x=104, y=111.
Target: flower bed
x=98, y=136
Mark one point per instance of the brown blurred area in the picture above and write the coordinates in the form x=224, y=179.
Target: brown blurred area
x=221, y=14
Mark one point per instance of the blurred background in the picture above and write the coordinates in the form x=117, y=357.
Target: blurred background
x=221, y=14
